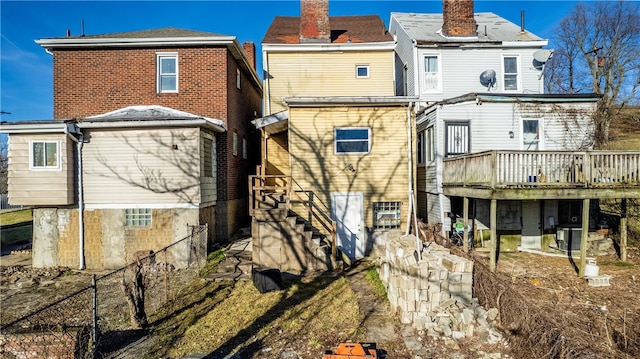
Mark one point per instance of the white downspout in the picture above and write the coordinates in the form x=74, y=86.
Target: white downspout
x=79, y=143
x=412, y=204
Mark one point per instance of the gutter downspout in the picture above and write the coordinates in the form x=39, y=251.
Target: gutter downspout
x=79, y=143
x=411, y=214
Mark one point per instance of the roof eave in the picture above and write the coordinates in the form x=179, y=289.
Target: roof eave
x=126, y=42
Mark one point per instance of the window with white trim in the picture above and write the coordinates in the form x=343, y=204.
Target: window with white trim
x=352, y=140
x=421, y=147
x=430, y=145
x=167, y=72
x=238, y=79
x=432, y=74
x=209, y=158
x=386, y=215
x=137, y=217
x=45, y=155
x=362, y=71
x=510, y=68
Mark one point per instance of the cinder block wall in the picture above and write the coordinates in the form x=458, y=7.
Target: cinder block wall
x=417, y=287
x=108, y=243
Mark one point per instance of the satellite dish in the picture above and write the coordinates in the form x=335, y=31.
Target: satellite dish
x=543, y=55
x=488, y=78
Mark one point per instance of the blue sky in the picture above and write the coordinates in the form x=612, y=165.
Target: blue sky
x=26, y=82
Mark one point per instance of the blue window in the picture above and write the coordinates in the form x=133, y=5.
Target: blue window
x=352, y=140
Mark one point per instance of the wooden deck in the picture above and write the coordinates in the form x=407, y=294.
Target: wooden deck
x=543, y=175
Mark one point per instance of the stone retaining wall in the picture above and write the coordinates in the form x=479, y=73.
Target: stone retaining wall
x=433, y=291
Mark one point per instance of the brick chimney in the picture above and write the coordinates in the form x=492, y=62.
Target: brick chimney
x=458, y=18
x=314, y=21
x=249, y=49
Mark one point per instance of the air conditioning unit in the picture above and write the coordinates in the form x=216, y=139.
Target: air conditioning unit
x=569, y=238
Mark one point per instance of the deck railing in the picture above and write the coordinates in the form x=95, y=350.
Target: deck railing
x=495, y=169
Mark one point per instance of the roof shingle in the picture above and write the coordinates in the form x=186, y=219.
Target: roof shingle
x=358, y=29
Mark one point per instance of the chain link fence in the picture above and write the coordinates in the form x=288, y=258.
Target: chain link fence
x=94, y=321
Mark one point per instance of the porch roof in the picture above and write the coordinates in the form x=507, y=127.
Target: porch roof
x=273, y=123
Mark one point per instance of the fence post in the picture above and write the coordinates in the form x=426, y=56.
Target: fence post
x=94, y=344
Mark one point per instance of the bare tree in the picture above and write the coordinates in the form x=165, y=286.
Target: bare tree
x=599, y=51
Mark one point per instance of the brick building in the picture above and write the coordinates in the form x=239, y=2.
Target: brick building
x=150, y=127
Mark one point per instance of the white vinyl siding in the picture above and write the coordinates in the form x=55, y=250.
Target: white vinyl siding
x=40, y=187
x=167, y=72
x=142, y=166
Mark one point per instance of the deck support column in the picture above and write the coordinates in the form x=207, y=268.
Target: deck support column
x=494, y=235
x=623, y=230
x=465, y=222
x=585, y=234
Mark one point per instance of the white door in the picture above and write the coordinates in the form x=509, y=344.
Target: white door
x=531, y=226
x=347, y=211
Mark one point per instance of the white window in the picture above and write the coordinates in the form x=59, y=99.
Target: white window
x=430, y=145
x=432, y=73
x=238, y=79
x=137, y=217
x=235, y=144
x=244, y=148
x=167, y=80
x=531, y=139
x=45, y=155
x=352, y=140
x=362, y=71
x=511, y=66
x=386, y=215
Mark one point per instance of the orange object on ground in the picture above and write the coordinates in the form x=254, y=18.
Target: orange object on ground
x=352, y=351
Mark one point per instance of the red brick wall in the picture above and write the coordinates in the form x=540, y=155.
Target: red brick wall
x=458, y=18
x=92, y=82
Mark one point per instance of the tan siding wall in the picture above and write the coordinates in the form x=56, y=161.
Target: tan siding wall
x=278, y=154
x=328, y=74
x=141, y=166
x=382, y=175
x=39, y=187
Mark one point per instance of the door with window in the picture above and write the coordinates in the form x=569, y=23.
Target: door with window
x=347, y=211
x=457, y=139
x=531, y=130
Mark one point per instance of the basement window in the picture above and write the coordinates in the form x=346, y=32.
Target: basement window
x=386, y=215
x=137, y=217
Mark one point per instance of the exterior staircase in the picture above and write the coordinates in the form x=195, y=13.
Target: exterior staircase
x=283, y=239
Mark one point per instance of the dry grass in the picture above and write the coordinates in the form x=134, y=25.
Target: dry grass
x=310, y=314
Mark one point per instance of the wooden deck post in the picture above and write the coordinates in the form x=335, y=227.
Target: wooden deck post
x=623, y=230
x=585, y=234
x=465, y=223
x=494, y=236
